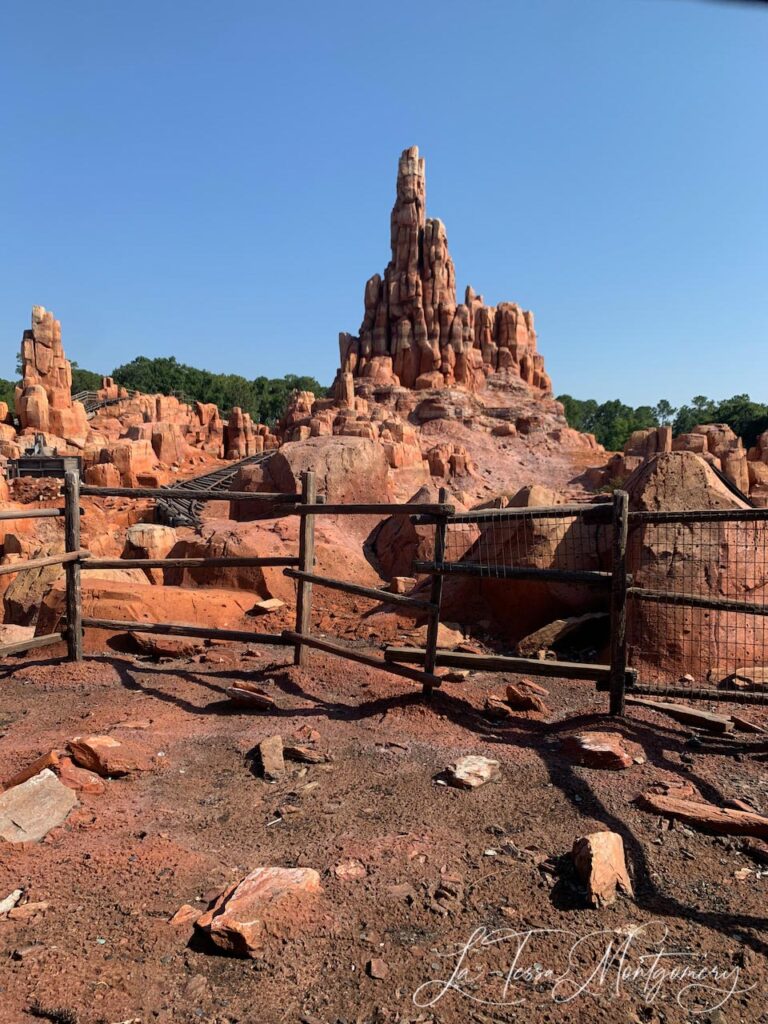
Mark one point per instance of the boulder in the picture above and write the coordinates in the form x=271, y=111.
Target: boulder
x=150, y=540
x=24, y=594
x=103, y=474
x=519, y=607
x=397, y=542
x=591, y=628
x=244, y=540
x=168, y=443
x=347, y=469
x=122, y=601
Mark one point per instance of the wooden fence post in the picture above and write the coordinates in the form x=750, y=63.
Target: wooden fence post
x=618, y=676
x=306, y=564
x=436, y=595
x=72, y=569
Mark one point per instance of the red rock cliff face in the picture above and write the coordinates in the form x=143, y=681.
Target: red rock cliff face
x=414, y=332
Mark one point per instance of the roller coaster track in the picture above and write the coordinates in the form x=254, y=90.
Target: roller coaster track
x=186, y=512
x=93, y=401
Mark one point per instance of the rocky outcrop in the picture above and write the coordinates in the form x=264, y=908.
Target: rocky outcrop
x=44, y=400
x=347, y=469
x=129, y=602
x=414, y=331
x=243, y=437
x=715, y=443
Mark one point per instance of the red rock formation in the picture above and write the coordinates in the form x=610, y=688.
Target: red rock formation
x=44, y=401
x=243, y=437
x=414, y=332
x=716, y=443
x=667, y=641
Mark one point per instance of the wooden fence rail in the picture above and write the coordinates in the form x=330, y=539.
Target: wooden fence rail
x=414, y=663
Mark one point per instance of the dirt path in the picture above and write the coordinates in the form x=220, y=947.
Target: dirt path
x=440, y=863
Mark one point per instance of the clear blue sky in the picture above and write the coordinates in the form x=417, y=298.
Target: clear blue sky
x=213, y=180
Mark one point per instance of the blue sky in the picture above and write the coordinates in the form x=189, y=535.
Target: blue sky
x=214, y=180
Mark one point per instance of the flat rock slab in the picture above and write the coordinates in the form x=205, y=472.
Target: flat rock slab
x=472, y=771
x=250, y=696
x=268, y=899
x=30, y=810
x=600, y=865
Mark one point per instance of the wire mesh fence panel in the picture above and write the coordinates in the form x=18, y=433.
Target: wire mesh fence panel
x=523, y=570
x=698, y=618
x=494, y=542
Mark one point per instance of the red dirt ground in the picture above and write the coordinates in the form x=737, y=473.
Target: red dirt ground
x=202, y=818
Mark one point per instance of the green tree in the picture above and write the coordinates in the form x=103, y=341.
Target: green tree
x=663, y=412
x=264, y=398
x=84, y=380
x=8, y=392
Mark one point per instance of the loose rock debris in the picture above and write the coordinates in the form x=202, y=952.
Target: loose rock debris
x=706, y=816
x=472, y=771
x=350, y=870
x=243, y=692
x=107, y=756
x=10, y=901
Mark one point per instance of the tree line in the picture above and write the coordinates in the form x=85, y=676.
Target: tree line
x=265, y=398
x=612, y=422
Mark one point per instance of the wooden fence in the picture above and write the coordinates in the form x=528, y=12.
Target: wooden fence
x=417, y=664
x=307, y=505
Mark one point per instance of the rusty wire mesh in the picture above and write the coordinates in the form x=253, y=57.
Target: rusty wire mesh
x=491, y=543
x=684, y=563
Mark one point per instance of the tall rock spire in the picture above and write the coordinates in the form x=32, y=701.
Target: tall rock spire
x=414, y=332
x=44, y=400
